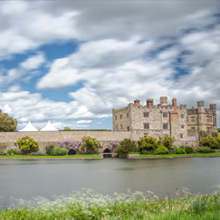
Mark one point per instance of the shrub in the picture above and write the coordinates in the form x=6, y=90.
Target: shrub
x=161, y=150
x=49, y=149
x=126, y=146
x=203, y=150
x=147, y=144
x=180, y=150
x=90, y=144
x=144, y=152
x=57, y=151
x=27, y=145
x=189, y=150
x=167, y=141
x=211, y=142
x=12, y=152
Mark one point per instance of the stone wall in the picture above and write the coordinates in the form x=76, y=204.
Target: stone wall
x=44, y=138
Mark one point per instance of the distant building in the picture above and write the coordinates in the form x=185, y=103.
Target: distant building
x=164, y=119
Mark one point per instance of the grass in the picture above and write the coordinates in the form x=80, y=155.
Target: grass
x=81, y=156
x=216, y=154
x=86, y=205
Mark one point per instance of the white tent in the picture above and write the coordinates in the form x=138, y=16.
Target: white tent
x=49, y=127
x=29, y=127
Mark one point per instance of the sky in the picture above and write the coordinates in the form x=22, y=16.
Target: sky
x=72, y=62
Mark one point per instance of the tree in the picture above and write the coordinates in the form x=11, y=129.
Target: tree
x=211, y=142
x=90, y=144
x=27, y=145
x=67, y=128
x=147, y=144
x=7, y=123
x=126, y=146
x=167, y=141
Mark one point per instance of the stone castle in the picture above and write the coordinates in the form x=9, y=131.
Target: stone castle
x=165, y=119
x=132, y=122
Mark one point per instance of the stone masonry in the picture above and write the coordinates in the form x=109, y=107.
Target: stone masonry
x=164, y=119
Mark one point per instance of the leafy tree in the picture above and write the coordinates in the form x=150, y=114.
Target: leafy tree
x=211, y=142
x=67, y=128
x=7, y=123
x=147, y=144
x=27, y=145
x=90, y=144
x=49, y=149
x=167, y=141
x=126, y=146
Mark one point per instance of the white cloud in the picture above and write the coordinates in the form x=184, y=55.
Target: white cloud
x=84, y=122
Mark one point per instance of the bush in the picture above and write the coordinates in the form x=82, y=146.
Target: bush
x=12, y=152
x=27, y=145
x=167, y=141
x=126, y=146
x=161, y=150
x=203, y=150
x=144, y=152
x=57, y=151
x=211, y=142
x=189, y=150
x=147, y=144
x=49, y=149
x=90, y=144
x=180, y=150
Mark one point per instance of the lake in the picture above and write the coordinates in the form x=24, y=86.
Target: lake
x=26, y=179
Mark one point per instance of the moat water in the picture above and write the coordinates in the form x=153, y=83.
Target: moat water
x=26, y=179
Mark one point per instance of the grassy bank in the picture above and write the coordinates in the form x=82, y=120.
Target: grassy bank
x=87, y=156
x=216, y=154
x=86, y=205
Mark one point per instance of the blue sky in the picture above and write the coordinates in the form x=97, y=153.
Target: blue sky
x=71, y=62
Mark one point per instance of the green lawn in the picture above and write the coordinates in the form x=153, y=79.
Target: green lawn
x=217, y=154
x=87, y=156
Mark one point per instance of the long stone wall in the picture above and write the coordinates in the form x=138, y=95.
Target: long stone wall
x=44, y=138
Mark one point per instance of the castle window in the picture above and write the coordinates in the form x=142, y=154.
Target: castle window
x=127, y=115
x=207, y=118
x=182, y=116
x=146, y=114
x=181, y=136
x=120, y=116
x=193, y=128
x=210, y=118
x=128, y=128
x=165, y=114
x=121, y=127
x=165, y=126
x=182, y=126
x=193, y=119
x=146, y=126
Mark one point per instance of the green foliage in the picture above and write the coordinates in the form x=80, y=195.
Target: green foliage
x=161, y=150
x=189, y=150
x=27, y=145
x=203, y=150
x=7, y=123
x=214, y=134
x=49, y=149
x=58, y=151
x=167, y=141
x=13, y=152
x=211, y=142
x=180, y=150
x=126, y=146
x=90, y=144
x=67, y=128
x=147, y=144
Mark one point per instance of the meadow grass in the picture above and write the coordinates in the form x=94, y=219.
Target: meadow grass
x=86, y=205
x=80, y=156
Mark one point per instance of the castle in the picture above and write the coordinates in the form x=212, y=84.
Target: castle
x=165, y=119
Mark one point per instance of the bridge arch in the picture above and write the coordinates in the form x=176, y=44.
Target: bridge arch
x=71, y=152
x=107, y=152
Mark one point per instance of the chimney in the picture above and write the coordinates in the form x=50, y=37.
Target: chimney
x=163, y=100
x=174, y=102
x=137, y=102
x=150, y=102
